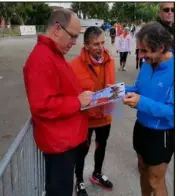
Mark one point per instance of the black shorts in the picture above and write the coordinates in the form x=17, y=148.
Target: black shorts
x=154, y=146
x=123, y=56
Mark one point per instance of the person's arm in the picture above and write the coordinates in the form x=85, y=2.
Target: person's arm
x=46, y=100
x=130, y=44
x=117, y=42
x=157, y=109
x=134, y=87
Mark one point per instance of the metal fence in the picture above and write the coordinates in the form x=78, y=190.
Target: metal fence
x=22, y=170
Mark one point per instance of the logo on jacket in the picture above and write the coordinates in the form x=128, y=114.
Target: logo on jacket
x=160, y=84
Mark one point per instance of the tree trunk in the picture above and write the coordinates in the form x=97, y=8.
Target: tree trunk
x=21, y=20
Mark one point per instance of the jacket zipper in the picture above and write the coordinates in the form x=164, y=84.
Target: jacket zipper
x=92, y=69
x=152, y=73
x=165, y=139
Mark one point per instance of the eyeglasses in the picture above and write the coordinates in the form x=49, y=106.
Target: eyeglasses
x=73, y=37
x=167, y=9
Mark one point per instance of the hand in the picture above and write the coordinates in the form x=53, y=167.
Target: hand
x=85, y=98
x=117, y=51
x=108, y=85
x=131, y=99
x=130, y=53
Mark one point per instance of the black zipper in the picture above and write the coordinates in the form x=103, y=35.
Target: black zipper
x=92, y=69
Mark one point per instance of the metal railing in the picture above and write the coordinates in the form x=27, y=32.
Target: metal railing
x=22, y=171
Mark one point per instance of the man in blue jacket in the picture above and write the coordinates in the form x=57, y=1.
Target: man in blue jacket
x=153, y=97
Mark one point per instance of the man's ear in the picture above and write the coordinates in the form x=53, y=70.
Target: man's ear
x=162, y=48
x=57, y=29
x=86, y=46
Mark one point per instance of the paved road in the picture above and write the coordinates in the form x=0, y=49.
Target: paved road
x=120, y=162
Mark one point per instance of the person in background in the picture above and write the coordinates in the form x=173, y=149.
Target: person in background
x=124, y=46
x=103, y=27
x=107, y=27
x=153, y=98
x=113, y=34
x=133, y=29
x=119, y=30
x=55, y=98
x=139, y=61
x=166, y=18
x=95, y=69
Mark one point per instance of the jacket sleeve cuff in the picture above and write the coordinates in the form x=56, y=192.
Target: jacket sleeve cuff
x=141, y=105
x=77, y=103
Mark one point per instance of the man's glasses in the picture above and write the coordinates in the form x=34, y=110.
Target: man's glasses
x=73, y=37
x=167, y=9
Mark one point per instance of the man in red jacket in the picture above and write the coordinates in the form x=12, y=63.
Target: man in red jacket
x=55, y=98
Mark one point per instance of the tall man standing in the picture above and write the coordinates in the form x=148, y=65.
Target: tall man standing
x=55, y=98
x=95, y=70
x=166, y=16
x=153, y=97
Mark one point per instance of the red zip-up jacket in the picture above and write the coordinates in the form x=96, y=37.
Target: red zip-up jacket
x=52, y=90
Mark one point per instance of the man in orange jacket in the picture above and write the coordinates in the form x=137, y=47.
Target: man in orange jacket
x=95, y=70
x=55, y=98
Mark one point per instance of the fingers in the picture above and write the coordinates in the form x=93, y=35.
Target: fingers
x=130, y=95
x=108, y=85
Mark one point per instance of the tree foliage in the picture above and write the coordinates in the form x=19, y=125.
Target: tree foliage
x=37, y=13
x=134, y=11
x=120, y=12
x=98, y=10
x=25, y=13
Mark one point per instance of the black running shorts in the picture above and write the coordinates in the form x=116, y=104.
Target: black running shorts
x=154, y=146
x=123, y=56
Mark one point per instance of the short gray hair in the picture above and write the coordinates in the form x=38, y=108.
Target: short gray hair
x=61, y=16
x=155, y=35
x=92, y=32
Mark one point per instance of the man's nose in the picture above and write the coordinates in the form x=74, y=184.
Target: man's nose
x=101, y=46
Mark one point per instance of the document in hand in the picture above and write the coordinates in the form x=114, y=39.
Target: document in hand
x=110, y=94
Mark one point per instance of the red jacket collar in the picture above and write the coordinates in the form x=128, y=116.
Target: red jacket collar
x=50, y=43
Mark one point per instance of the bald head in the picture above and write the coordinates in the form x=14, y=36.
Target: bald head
x=63, y=28
x=61, y=16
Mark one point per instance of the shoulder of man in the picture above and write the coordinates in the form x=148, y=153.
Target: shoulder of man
x=42, y=57
x=169, y=28
x=75, y=62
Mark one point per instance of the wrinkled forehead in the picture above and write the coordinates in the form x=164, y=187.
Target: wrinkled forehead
x=94, y=39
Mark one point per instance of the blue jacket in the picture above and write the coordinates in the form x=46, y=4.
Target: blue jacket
x=155, y=108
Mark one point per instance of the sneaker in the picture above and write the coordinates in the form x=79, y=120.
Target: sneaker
x=120, y=68
x=81, y=189
x=123, y=69
x=102, y=180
